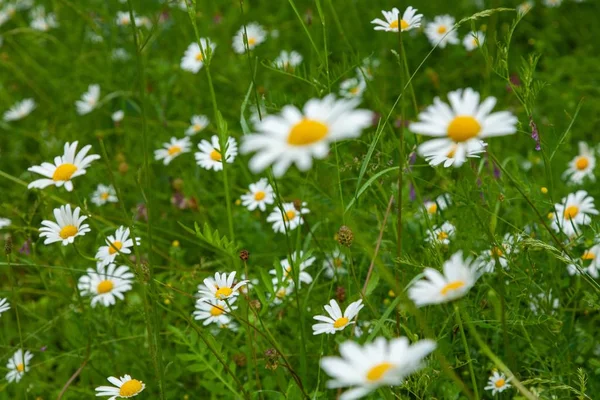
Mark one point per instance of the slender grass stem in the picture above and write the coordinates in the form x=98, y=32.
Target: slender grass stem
x=467, y=352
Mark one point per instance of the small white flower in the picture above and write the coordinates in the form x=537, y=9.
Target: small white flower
x=120, y=243
x=487, y=260
x=118, y=115
x=210, y=155
x=220, y=287
x=215, y=311
x=439, y=204
x=66, y=167
x=104, y=194
x=89, y=100
x=67, y=227
x=459, y=277
x=17, y=365
x=573, y=212
x=106, y=284
x=473, y=40
x=197, y=124
x=125, y=387
x=40, y=21
x=552, y=3
x=353, y=87
x=123, y=18
x=255, y=34
x=497, y=383
x=410, y=20
x=525, y=7
x=259, y=195
x=544, y=303
x=336, y=321
x=120, y=54
x=4, y=222
x=288, y=60
x=4, y=306
x=173, y=149
x=582, y=166
x=334, y=264
x=368, y=67
x=441, y=31
x=299, y=265
x=289, y=219
x=20, y=110
x=441, y=234
x=194, y=57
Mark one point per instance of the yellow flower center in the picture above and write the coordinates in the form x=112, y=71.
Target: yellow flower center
x=174, y=150
x=442, y=236
x=452, y=286
x=337, y=262
x=571, y=212
x=290, y=215
x=20, y=367
x=496, y=251
x=258, y=196
x=378, y=371
x=582, y=163
x=64, y=172
x=441, y=30
x=216, y=311
x=223, y=293
x=199, y=56
x=280, y=293
x=463, y=128
x=499, y=383
x=115, y=247
x=432, y=209
x=125, y=20
x=354, y=90
x=251, y=41
x=105, y=287
x=215, y=155
x=403, y=24
x=104, y=196
x=340, y=322
x=197, y=127
x=588, y=255
x=306, y=132
x=67, y=231
x=130, y=388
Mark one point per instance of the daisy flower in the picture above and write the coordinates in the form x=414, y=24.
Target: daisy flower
x=220, y=287
x=473, y=40
x=173, y=149
x=287, y=271
x=367, y=68
x=20, y=110
x=544, y=302
x=295, y=137
x=104, y=194
x=376, y=364
x=105, y=284
x=497, y=383
x=4, y=222
x=552, y=3
x=582, y=166
x=334, y=264
x=193, y=58
x=41, y=21
x=439, y=204
x=118, y=116
x=440, y=32
x=210, y=156
x=572, y=212
x=215, y=311
x=255, y=33
x=410, y=20
x=89, y=100
x=459, y=277
x=589, y=257
x=67, y=227
x=124, y=19
x=353, y=87
x=282, y=291
x=441, y=234
x=198, y=123
x=66, y=167
x=259, y=195
x=525, y=7
x=124, y=388
x=336, y=321
x=288, y=60
x=289, y=220
x=17, y=365
x=4, y=306
x=458, y=127
x=508, y=246
x=120, y=243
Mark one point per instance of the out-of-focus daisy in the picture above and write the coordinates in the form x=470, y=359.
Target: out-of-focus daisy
x=440, y=31
x=376, y=364
x=300, y=264
x=4, y=306
x=215, y=311
x=439, y=204
x=66, y=167
x=288, y=60
x=67, y=227
x=473, y=40
x=336, y=321
x=589, y=262
x=20, y=110
x=124, y=19
x=106, y=284
x=93, y=37
x=552, y=3
x=118, y=116
x=104, y=194
x=6, y=13
x=17, y=365
x=368, y=67
x=120, y=54
x=353, y=87
x=543, y=303
x=525, y=7
x=572, y=212
x=193, y=59
x=221, y=287
x=173, y=149
x=497, y=383
x=40, y=21
x=290, y=219
x=89, y=100
x=255, y=33
x=458, y=127
x=197, y=124
x=259, y=195
x=282, y=291
x=508, y=246
x=4, y=222
x=210, y=155
x=118, y=243
x=295, y=137
x=441, y=234
x=459, y=277
x=334, y=264
x=125, y=387
x=582, y=166
x=410, y=20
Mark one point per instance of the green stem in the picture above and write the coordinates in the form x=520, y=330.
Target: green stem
x=467, y=352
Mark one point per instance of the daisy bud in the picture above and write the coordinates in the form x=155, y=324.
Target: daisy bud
x=345, y=237
x=244, y=255
x=340, y=294
x=177, y=184
x=123, y=168
x=8, y=245
x=298, y=204
x=239, y=359
x=255, y=304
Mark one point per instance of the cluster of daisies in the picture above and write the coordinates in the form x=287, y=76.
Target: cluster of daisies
x=40, y=20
